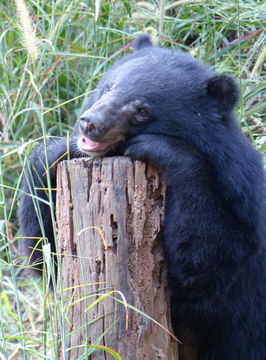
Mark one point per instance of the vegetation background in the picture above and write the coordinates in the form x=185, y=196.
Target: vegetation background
x=51, y=57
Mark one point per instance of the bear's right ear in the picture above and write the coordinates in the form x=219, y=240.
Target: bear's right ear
x=225, y=90
x=142, y=41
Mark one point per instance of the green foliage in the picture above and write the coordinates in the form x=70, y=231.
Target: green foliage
x=76, y=44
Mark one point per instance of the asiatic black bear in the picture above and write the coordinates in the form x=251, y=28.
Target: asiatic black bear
x=165, y=107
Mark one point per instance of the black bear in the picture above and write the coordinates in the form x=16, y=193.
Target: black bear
x=165, y=107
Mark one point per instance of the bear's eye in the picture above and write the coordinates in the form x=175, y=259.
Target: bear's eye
x=142, y=114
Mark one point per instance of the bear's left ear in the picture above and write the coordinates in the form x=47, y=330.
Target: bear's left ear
x=142, y=41
x=225, y=90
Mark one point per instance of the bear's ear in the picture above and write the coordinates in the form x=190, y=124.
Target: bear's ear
x=142, y=41
x=225, y=90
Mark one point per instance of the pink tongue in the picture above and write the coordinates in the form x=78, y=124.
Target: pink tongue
x=90, y=145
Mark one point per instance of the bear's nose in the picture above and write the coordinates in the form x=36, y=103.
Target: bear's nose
x=91, y=123
x=87, y=127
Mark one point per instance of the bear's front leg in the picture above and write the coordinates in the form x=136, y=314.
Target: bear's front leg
x=35, y=212
x=156, y=149
x=171, y=154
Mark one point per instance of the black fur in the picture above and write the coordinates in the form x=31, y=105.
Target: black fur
x=167, y=108
x=35, y=218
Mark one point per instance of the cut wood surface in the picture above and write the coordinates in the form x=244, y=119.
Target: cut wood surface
x=109, y=216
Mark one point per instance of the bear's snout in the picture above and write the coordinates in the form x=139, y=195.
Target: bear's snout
x=98, y=119
x=91, y=124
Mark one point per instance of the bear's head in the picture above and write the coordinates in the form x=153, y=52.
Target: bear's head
x=155, y=91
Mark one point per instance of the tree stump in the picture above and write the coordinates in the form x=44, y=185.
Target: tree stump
x=109, y=216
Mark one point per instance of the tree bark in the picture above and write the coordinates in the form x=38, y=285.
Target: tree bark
x=109, y=215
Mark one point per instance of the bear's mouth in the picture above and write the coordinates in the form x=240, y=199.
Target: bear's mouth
x=91, y=147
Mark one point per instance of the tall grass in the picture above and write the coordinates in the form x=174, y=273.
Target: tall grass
x=43, y=86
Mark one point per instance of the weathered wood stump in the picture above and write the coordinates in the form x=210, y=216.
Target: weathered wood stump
x=109, y=215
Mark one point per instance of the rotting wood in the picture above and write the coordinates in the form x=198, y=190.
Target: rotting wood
x=109, y=216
